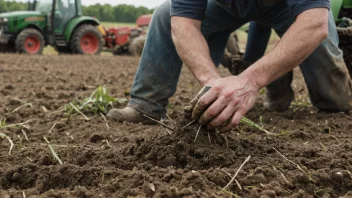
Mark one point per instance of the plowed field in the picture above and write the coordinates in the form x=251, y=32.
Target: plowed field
x=110, y=159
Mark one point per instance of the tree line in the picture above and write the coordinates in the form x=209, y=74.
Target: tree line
x=106, y=12
x=119, y=13
x=7, y=6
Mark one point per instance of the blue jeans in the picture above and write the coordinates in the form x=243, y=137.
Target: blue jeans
x=258, y=38
x=160, y=66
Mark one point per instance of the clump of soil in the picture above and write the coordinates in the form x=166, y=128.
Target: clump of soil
x=184, y=150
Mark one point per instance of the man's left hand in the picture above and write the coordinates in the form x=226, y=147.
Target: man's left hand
x=228, y=100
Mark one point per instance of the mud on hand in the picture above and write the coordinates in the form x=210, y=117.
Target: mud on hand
x=192, y=112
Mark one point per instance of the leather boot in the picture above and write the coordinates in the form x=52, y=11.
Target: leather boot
x=129, y=114
x=279, y=101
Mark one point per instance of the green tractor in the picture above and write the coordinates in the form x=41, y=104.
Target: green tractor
x=59, y=23
x=342, y=11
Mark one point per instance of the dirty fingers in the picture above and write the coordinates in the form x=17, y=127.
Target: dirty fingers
x=224, y=105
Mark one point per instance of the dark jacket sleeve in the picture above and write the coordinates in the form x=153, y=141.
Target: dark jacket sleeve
x=299, y=6
x=194, y=9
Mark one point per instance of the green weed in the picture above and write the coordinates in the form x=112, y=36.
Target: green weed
x=250, y=123
x=98, y=102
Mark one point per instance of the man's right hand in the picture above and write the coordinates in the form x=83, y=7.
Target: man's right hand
x=225, y=103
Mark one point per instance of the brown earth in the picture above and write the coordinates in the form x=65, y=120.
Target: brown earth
x=110, y=159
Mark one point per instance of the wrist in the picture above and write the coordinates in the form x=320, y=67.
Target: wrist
x=209, y=80
x=256, y=82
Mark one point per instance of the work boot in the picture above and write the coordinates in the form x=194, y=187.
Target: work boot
x=129, y=114
x=279, y=101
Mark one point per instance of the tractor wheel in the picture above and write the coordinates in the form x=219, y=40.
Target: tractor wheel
x=30, y=41
x=63, y=50
x=87, y=39
x=136, y=46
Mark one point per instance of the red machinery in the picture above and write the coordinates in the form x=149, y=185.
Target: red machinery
x=126, y=40
x=144, y=20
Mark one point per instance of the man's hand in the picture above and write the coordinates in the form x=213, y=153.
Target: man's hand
x=225, y=103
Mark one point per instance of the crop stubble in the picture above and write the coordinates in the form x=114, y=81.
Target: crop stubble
x=121, y=159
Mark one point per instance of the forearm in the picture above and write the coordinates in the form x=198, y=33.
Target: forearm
x=193, y=49
x=299, y=41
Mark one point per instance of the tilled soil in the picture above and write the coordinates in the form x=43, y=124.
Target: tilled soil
x=110, y=159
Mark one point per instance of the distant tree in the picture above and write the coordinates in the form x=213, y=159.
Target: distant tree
x=106, y=12
x=93, y=10
x=3, y=6
x=7, y=6
x=13, y=5
x=119, y=13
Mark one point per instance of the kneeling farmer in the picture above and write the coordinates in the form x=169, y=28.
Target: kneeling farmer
x=196, y=34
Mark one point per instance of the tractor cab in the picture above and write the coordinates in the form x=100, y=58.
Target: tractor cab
x=58, y=12
x=59, y=23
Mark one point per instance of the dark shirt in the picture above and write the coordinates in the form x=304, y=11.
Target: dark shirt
x=247, y=9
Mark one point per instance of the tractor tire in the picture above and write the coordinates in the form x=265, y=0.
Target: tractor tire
x=136, y=46
x=30, y=41
x=87, y=39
